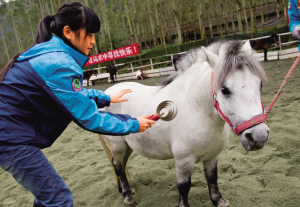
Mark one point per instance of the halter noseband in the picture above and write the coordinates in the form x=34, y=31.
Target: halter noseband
x=243, y=126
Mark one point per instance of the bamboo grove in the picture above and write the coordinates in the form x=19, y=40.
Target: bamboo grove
x=151, y=23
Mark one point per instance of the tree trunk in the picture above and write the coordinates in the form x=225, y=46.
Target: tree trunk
x=106, y=22
x=239, y=18
x=226, y=23
x=52, y=8
x=201, y=25
x=232, y=18
x=262, y=15
x=151, y=24
x=253, y=17
x=267, y=13
x=14, y=26
x=96, y=45
x=136, y=25
x=41, y=9
x=245, y=16
x=129, y=21
x=4, y=42
x=208, y=18
x=158, y=17
x=284, y=12
x=277, y=13
x=218, y=20
x=174, y=8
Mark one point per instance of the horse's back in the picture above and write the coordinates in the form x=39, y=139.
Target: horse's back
x=129, y=85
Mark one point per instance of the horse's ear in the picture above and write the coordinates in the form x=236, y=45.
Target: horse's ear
x=247, y=46
x=212, y=57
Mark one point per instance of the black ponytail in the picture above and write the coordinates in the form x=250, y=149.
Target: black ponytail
x=44, y=34
x=75, y=15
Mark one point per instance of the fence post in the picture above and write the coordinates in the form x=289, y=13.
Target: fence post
x=279, y=38
x=131, y=67
x=151, y=64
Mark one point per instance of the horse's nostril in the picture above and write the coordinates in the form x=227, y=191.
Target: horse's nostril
x=249, y=138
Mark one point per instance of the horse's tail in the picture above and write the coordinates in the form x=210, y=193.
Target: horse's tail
x=110, y=158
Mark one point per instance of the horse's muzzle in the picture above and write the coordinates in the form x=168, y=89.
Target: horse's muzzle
x=255, y=137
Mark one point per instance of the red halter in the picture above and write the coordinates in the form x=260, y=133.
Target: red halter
x=243, y=126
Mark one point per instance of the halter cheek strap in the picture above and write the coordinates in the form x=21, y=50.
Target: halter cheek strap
x=243, y=126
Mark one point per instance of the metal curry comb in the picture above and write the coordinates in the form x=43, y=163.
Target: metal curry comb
x=166, y=116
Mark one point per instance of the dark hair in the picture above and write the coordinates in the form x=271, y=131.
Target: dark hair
x=75, y=15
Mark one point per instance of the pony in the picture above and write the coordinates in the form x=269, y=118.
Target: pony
x=140, y=75
x=112, y=70
x=264, y=44
x=87, y=74
x=198, y=133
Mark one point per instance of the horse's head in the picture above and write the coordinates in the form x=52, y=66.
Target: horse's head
x=275, y=39
x=237, y=86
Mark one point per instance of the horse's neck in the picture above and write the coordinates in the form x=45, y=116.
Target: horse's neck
x=196, y=85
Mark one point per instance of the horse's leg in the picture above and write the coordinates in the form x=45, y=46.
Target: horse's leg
x=265, y=53
x=184, y=169
x=112, y=78
x=121, y=154
x=116, y=77
x=211, y=175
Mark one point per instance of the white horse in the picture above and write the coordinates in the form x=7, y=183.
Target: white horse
x=197, y=133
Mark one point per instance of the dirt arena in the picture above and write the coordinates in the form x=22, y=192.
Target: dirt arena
x=268, y=177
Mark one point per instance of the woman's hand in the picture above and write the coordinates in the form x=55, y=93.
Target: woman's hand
x=296, y=32
x=117, y=98
x=145, y=122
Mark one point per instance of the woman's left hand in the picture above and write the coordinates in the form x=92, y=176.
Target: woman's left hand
x=117, y=98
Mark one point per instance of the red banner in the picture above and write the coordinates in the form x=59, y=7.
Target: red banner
x=114, y=54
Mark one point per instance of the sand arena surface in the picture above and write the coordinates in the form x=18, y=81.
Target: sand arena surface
x=268, y=177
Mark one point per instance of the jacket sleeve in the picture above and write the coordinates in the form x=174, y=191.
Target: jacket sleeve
x=294, y=16
x=81, y=105
x=100, y=98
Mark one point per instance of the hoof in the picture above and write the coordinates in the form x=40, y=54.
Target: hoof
x=129, y=203
x=223, y=203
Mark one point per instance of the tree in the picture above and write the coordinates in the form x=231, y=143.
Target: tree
x=10, y=5
x=176, y=17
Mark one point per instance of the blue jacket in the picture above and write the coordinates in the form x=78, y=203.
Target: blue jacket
x=294, y=15
x=42, y=93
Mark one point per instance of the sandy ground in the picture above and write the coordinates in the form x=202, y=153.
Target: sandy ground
x=268, y=177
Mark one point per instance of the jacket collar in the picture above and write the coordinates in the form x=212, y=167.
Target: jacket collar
x=55, y=44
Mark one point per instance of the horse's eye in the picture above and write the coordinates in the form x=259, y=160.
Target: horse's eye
x=225, y=91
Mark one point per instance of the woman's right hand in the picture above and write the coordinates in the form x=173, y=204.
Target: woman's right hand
x=296, y=32
x=145, y=122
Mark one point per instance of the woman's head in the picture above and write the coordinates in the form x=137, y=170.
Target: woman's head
x=76, y=17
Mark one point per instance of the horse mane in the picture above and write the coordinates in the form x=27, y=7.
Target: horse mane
x=232, y=58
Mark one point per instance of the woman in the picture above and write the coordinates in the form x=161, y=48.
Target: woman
x=41, y=93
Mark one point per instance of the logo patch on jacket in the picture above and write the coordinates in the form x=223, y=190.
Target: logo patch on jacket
x=76, y=85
